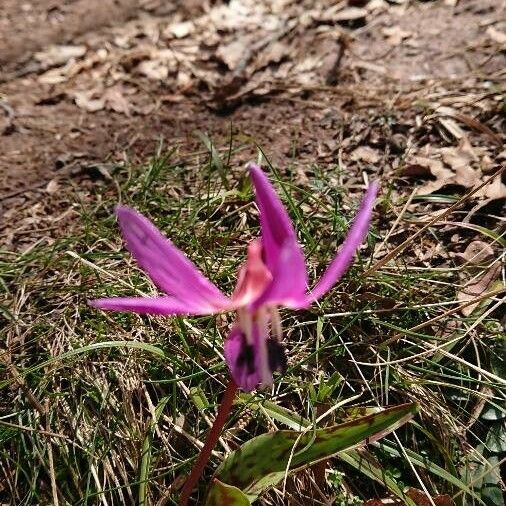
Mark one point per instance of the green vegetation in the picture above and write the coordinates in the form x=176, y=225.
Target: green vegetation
x=107, y=408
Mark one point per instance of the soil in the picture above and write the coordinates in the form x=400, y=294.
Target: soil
x=322, y=85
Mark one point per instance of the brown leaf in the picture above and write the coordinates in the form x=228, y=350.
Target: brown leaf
x=477, y=287
x=232, y=54
x=496, y=35
x=85, y=100
x=156, y=70
x=395, y=34
x=460, y=165
x=55, y=56
x=478, y=252
x=116, y=101
x=421, y=499
x=460, y=160
x=179, y=30
x=493, y=191
x=52, y=186
x=365, y=154
x=435, y=168
x=94, y=100
x=335, y=14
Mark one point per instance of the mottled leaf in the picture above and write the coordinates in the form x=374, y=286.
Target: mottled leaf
x=262, y=462
x=221, y=494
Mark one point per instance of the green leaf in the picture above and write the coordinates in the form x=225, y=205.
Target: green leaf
x=262, y=462
x=221, y=494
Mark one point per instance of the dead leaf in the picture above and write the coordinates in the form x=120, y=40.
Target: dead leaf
x=475, y=288
x=460, y=160
x=494, y=190
x=336, y=15
x=116, y=101
x=496, y=35
x=52, y=186
x=95, y=100
x=55, y=56
x=85, y=100
x=421, y=499
x=442, y=175
x=156, y=70
x=460, y=165
x=395, y=34
x=365, y=154
x=233, y=53
x=478, y=252
x=179, y=30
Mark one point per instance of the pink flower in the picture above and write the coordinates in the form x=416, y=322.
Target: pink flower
x=273, y=275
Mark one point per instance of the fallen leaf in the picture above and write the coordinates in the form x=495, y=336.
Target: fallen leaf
x=116, y=101
x=179, y=30
x=233, y=53
x=85, y=100
x=365, y=154
x=55, y=56
x=395, y=34
x=460, y=165
x=460, y=159
x=496, y=35
x=156, y=70
x=421, y=499
x=95, y=100
x=52, y=186
x=477, y=252
x=335, y=14
x=494, y=190
x=475, y=288
x=421, y=165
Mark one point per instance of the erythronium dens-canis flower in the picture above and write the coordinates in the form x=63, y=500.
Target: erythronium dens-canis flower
x=273, y=275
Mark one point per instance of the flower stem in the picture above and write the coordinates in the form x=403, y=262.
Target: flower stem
x=212, y=438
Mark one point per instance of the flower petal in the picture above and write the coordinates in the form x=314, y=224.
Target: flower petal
x=354, y=239
x=289, y=280
x=165, y=264
x=253, y=276
x=253, y=364
x=240, y=358
x=169, y=306
x=277, y=228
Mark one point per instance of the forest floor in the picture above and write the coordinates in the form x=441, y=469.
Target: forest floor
x=96, y=96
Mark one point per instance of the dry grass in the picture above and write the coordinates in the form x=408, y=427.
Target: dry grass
x=98, y=408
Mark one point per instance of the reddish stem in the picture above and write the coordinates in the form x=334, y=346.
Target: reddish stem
x=212, y=439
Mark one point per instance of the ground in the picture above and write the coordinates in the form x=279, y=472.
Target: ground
x=405, y=92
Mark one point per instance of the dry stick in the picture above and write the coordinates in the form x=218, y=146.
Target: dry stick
x=212, y=438
x=475, y=300
x=452, y=208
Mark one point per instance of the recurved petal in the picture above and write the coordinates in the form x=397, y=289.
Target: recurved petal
x=166, y=265
x=289, y=280
x=277, y=228
x=169, y=306
x=354, y=239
